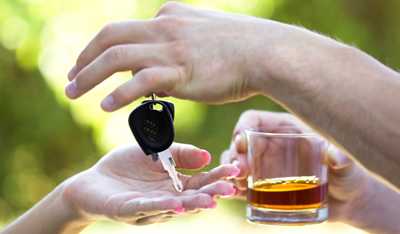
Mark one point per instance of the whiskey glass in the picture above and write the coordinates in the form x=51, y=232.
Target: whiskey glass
x=287, y=182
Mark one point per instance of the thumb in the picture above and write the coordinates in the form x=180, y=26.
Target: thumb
x=189, y=157
x=346, y=176
x=337, y=160
x=240, y=142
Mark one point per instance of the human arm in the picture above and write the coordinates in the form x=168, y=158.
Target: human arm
x=126, y=186
x=356, y=195
x=214, y=57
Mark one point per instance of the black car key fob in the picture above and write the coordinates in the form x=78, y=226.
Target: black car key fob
x=152, y=126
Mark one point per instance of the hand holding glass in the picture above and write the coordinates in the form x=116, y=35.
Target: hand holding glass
x=287, y=183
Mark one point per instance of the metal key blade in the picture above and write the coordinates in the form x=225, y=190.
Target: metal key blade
x=169, y=165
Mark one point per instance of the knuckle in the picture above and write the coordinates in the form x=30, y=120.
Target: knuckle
x=105, y=33
x=169, y=25
x=82, y=59
x=168, y=7
x=121, y=96
x=179, y=51
x=114, y=54
x=226, y=170
x=202, y=198
x=106, y=30
x=248, y=114
x=147, y=79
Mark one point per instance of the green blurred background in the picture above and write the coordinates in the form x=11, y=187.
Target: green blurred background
x=45, y=138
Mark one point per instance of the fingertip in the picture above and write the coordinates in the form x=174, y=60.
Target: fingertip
x=240, y=143
x=71, y=90
x=237, y=139
x=242, y=169
x=108, y=104
x=337, y=159
x=206, y=156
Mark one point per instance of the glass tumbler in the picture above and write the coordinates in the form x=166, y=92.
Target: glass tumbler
x=287, y=182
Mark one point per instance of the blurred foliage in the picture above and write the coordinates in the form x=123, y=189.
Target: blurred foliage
x=40, y=143
x=43, y=140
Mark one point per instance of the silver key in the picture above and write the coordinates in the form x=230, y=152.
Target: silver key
x=168, y=164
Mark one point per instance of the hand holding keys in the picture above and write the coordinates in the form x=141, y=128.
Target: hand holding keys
x=152, y=125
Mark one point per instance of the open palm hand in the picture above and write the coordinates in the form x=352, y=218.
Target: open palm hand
x=126, y=185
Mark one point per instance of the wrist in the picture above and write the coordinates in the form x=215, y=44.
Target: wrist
x=375, y=210
x=71, y=220
x=293, y=60
x=54, y=211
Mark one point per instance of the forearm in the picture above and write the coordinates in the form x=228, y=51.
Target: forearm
x=377, y=210
x=342, y=92
x=51, y=215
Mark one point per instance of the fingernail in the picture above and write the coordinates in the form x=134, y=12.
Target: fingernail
x=337, y=159
x=108, y=103
x=240, y=143
x=206, y=154
x=72, y=72
x=237, y=139
x=72, y=90
x=179, y=210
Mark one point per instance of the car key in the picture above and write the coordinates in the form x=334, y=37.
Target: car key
x=152, y=126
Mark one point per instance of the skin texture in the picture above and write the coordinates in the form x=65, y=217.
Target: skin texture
x=127, y=186
x=355, y=194
x=342, y=93
x=186, y=52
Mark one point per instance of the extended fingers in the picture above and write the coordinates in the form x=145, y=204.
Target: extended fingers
x=134, y=32
x=189, y=157
x=197, y=201
x=219, y=188
x=117, y=58
x=116, y=33
x=205, y=178
x=231, y=156
x=146, y=81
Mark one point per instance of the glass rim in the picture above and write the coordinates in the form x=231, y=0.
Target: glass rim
x=250, y=132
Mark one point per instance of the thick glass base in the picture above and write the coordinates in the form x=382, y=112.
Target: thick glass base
x=286, y=217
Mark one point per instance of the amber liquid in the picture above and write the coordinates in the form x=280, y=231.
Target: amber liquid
x=288, y=193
